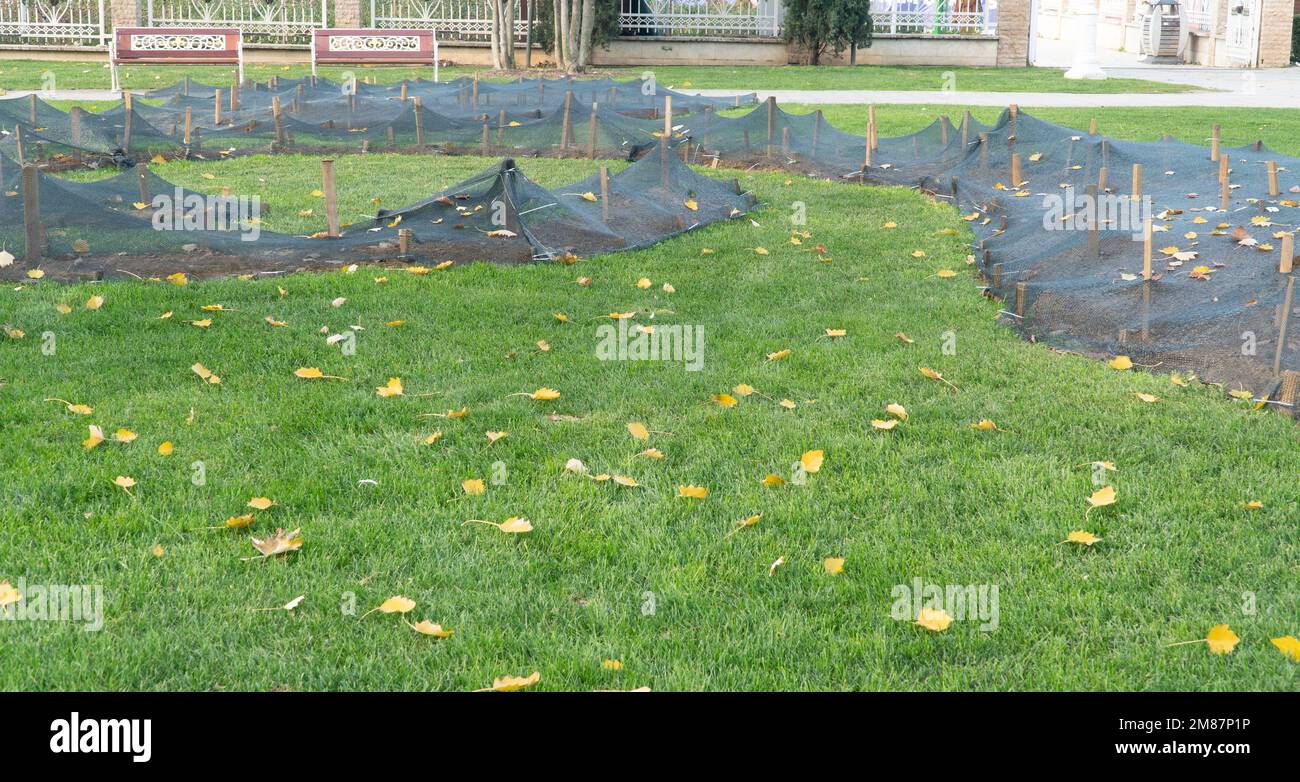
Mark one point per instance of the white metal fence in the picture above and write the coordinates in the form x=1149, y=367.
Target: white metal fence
x=934, y=17
x=271, y=23
x=701, y=18
x=454, y=20
x=43, y=24
x=1199, y=16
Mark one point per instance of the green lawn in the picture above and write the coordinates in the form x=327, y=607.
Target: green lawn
x=18, y=74
x=639, y=574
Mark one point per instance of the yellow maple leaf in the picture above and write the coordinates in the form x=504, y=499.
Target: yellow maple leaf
x=1120, y=362
x=935, y=619
x=394, y=388
x=473, y=486
x=1081, y=537
x=512, y=683
x=1221, y=639
x=833, y=565
x=692, y=492
x=724, y=400
x=432, y=629
x=1287, y=644
x=638, y=430
x=812, y=460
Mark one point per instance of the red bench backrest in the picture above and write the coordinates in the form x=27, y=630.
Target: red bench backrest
x=176, y=44
x=358, y=45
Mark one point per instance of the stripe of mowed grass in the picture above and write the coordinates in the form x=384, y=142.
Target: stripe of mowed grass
x=932, y=499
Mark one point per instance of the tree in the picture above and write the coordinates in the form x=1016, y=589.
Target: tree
x=571, y=29
x=503, y=34
x=818, y=26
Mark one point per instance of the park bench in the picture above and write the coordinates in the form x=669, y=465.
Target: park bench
x=186, y=45
x=369, y=46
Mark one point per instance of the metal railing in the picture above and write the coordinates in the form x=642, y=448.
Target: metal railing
x=701, y=18
x=45, y=24
x=1200, y=15
x=934, y=17
x=454, y=20
x=271, y=23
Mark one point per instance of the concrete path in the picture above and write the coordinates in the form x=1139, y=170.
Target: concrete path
x=1277, y=88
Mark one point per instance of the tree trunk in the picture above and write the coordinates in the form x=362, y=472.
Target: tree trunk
x=508, y=35
x=588, y=27
x=561, y=33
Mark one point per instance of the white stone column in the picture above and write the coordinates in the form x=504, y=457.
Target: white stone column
x=1085, y=65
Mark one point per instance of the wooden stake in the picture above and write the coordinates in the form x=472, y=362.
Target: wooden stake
x=870, y=131
x=1225, y=190
x=1101, y=179
x=331, y=201
x=403, y=89
x=31, y=106
x=591, y=132
x=604, y=193
x=817, y=131
x=984, y=150
x=1288, y=253
x=404, y=241
x=565, y=127
x=785, y=141
x=1015, y=170
x=483, y=145
x=1137, y=181
x=128, y=114
x=1021, y=290
x=1092, y=127
x=416, y=107
x=32, y=214
x=234, y=98
x=871, y=126
x=142, y=179
x=74, y=120
x=1224, y=163
x=277, y=118
x=1272, y=178
x=189, y=119
x=1286, y=318
x=216, y=107
x=997, y=275
x=1094, y=225
x=1146, y=248
x=943, y=130
x=18, y=144
x=1214, y=144
x=771, y=123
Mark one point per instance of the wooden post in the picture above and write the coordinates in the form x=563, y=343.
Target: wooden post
x=234, y=98
x=390, y=137
x=1094, y=227
x=1015, y=170
x=997, y=275
x=278, y=119
x=1272, y=178
x=404, y=241
x=604, y=193
x=1092, y=127
x=216, y=107
x=566, y=127
x=984, y=151
x=128, y=114
x=871, y=127
x=1224, y=163
x=31, y=108
x=189, y=120
x=591, y=132
x=1225, y=188
x=785, y=141
x=1101, y=179
x=817, y=131
x=74, y=120
x=1214, y=144
x=18, y=144
x=1137, y=181
x=943, y=130
x=1021, y=290
x=1288, y=253
x=185, y=87
x=1286, y=318
x=668, y=117
x=403, y=89
x=331, y=203
x=142, y=179
x=1146, y=248
x=474, y=100
x=965, y=131
x=416, y=107
x=32, y=214
x=771, y=123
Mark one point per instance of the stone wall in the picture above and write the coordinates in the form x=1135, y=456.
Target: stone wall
x=1013, y=33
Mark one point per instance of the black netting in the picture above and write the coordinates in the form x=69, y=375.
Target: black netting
x=1216, y=303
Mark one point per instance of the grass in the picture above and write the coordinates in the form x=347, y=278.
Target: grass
x=93, y=74
x=639, y=575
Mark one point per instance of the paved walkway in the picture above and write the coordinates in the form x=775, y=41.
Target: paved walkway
x=1277, y=88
